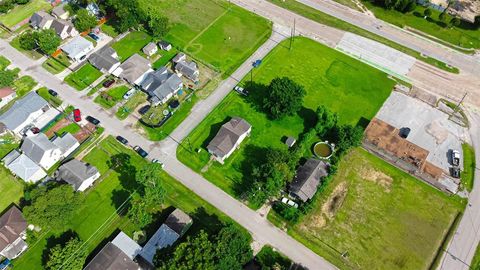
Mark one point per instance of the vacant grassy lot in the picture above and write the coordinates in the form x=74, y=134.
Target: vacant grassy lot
x=97, y=219
x=23, y=85
x=370, y=207
x=22, y=12
x=213, y=31
x=109, y=98
x=57, y=64
x=469, y=166
x=352, y=89
x=83, y=77
x=131, y=44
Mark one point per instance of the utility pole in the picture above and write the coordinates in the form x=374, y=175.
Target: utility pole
x=292, y=34
x=460, y=102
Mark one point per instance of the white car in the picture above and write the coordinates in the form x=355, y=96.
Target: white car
x=289, y=202
x=130, y=93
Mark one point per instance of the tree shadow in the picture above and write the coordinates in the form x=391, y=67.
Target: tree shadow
x=119, y=196
x=255, y=155
x=53, y=240
x=121, y=163
x=309, y=118
x=210, y=223
x=363, y=122
x=256, y=95
x=213, y=131
x=158, y=219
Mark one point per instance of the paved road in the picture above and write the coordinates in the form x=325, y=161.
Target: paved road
x=261, y=230
x=463, y=244
x=424, y=76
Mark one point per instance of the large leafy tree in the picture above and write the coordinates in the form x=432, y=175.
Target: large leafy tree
x=28, y=40
x=7, y=77
x=158, y=25
x=233, y=248
x=284, y=97
x=347, y=136
x=151, y=182
x=47, y=40
x=52, y=207
x=138, y=212
x=84, y=20
x=70, y=256
x=128, y=13
x=326, y=120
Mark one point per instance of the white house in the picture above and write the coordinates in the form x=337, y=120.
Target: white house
x=63, y=28
x=6, y=95
x=229, y=138
x=78, y=174
x=150, y=49
x=41, y=150
x=78, y=48
x=41, y=20
x=22, y=166
x=13, y=228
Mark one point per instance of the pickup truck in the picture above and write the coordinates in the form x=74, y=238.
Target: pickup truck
x=455, y=158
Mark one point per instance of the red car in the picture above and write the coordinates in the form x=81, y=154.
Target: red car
x=76, y=115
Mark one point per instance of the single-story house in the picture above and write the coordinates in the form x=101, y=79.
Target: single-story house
x=29, y=111
x=229, y=138
x=176, y=225
x=41, y=20
x=105, y=59
x=63, y=28
x=180, y=57
x=188, y=69
x=6, y=95
x=116, y=255
x=22, y=166
x=78, y=48
x=60, y=13
x=165, y=45
x=41, y=150
x=78, y=174
x=134, y=69
x=66, y=143
x=150, y=49
x=161, y=85
x=307, y=179
x=13, y=228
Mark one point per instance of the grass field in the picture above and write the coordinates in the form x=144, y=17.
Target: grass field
x=97, y=219
x=115, y=95
x=131, y=44
x=220, y=34
x=72, y=128
x=469, y=165
x=57, y=64
x=22, y=12
x=4, y=62
x=83, y=77
x=12, y=189
x=23, y=85
x=352, y=89
x=370, y=207
x=326, y=19
x=475, y=265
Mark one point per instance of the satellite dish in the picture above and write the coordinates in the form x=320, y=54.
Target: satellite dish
x=165, y=112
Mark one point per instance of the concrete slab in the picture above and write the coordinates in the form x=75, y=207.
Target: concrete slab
x=430, y=128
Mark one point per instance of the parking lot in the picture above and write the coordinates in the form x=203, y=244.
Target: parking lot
x=429, y=127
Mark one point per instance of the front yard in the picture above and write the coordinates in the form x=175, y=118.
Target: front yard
x=83, y=77
x=56, y=64
x=55, y=101
x=371, y=207
x=132, y=103
x=107, y=99
x=23, y=85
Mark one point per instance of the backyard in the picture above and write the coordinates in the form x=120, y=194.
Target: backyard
x=83, y=77
x=220, y=34
x=131, y=44
x=22, y=12
x=329, y=77
x=7, y=181
x=370, y=207
x=97, y=219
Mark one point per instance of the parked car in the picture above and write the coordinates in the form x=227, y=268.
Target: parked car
x=158, y=161
x=35, y=130
x=455, y=158
x=241, y=90
x=122, y=140
x=52, y=92
x=289, y=202
x=77, y=116
x=95, y=37
x=92, y=120
x=143, y=110
x=140, y=151
x=108, y=83
x=455, y=172
x=130, y=93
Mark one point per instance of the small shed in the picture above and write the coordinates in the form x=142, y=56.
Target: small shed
x=165, y=45
x=150, y=49
x=290, y=141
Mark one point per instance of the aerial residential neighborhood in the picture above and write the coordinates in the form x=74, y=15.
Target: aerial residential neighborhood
x=240, y=134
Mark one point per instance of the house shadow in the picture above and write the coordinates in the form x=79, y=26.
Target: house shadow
x=255, y=155
x=54, y=240
x=121, y=163
x=213, y=131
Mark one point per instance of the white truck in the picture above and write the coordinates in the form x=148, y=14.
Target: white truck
x=455, y=158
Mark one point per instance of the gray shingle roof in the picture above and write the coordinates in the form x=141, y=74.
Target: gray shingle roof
x=12, y=224
x=66, y=142
x=111, y=258
x=178, y=221
x=59, y=25
x=134, y=67
x=307, y=178
x=104, y=58
x=40, y=18
x=75, y=172
x=161, y=83
x=228, y=136
x=35, y=146
x=10, y=157
x=24, y=167
x=22, y=109
x=59, y=10
x=149, y=48
x=188, y=68
x=127, y=245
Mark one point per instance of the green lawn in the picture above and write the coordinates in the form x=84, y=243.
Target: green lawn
x=131, y=104
x=72, y=128
x=83, y=77
x=131, y=44
x=475, y=265
x=165, y=58
x=371, y=207
x=23, y=85
x=469, y=166
x=326, y=19
x=212, y=31
x=4, y=62
x=352, y=89
x=55, y=101
x=22, y=12
x=108, y=29
x=97, y=218
x=114, y=95
x=57, y=64
x=466, y=35
x=12, y=189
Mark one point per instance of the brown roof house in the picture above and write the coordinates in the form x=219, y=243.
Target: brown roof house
x=6, y=95
x=134, y=69
x=229, y=138
x=12, y=233
x=307, y=179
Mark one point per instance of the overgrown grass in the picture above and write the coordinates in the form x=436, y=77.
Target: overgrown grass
x=131, y=44
x=23, y=85
x=83, y=77
x=57, y=64
x=108, y=29
x=131, y=104
x=12, y=189
x=469, y=165
x=112, y=96
x=4, y=62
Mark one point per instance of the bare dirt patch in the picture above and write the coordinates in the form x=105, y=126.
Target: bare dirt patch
x=335, y=201
x=377, y=177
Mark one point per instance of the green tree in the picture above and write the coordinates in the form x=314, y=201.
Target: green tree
x=326, y=120
x=348, y=136
x=70, y=256
x=151, y=182
x=158, y=26
x=284, y=97
x=84, y=20
x=442, y=16
x=6, y=5
x=427, y=12
x=128, y=13
x=28, y=40
x=7, y=77
x=232, y=248
x=52, y=207
x=138, y=212
x=48, y=41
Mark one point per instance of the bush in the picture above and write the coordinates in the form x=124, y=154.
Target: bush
x=289, y=213
x=28, y=40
